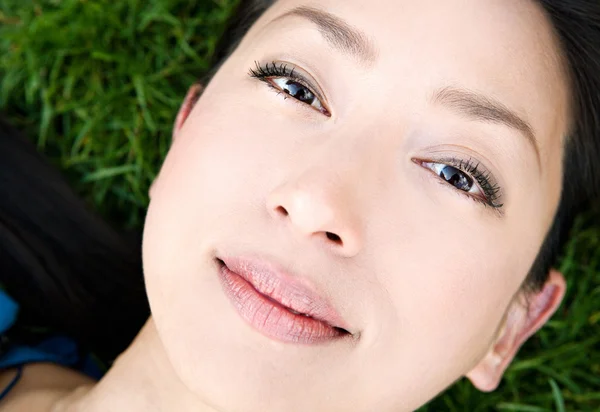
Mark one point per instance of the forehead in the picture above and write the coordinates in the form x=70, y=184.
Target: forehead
x=502, y=48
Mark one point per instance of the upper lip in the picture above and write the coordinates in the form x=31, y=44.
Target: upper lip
x=291, y=291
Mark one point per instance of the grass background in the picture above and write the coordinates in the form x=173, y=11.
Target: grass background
x=97, y=83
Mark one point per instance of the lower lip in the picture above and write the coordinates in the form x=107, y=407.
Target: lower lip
x=271, y=318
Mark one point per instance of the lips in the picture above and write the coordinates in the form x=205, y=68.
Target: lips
x=278, y=304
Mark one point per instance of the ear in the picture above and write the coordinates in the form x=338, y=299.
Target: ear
x=520, y=322
x=188, y=104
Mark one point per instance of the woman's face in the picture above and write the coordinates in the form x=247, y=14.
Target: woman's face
x=410, y=177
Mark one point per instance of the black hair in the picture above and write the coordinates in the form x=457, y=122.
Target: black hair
x=70, y=271
x=67, y=268
x=577, y=26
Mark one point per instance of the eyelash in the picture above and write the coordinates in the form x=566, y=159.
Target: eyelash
x=280, y=70
x=485, y=180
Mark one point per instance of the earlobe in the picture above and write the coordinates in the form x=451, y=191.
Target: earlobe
x=189, y=102
x=525, y=316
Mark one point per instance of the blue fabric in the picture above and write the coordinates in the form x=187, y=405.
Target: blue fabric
x=8, y=311
x=57, y=349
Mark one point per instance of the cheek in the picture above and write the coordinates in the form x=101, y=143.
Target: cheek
x=212, y=166
x=218, y=156
x=447, y=281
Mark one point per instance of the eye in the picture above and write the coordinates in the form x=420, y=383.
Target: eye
x=298, y=91
x=461, y=180
x=469, y=177
x=453, y=176
x=290, y=82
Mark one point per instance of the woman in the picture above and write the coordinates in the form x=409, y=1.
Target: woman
x=382, y=225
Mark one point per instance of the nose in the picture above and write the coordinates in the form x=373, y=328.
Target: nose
x=322, y=204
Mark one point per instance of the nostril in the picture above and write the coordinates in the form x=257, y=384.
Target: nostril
x=282, y=210
x=334, y=237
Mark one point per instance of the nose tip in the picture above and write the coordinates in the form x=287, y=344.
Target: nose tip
x=330, y=235
x=317, y=218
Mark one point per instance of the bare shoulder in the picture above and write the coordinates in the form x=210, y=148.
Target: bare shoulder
x=40, y=386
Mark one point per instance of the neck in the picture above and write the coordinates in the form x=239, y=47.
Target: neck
x=141, y=379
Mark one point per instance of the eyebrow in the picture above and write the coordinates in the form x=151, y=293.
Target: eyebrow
x=337, y=32
x=486, y=109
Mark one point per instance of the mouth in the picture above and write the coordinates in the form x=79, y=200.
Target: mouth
x=277, y=304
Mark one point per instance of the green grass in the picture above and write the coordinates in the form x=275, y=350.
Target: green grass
x=96, y=83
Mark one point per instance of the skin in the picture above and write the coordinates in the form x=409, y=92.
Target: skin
x=428, y=279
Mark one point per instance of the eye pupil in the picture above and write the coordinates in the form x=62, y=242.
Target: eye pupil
x=456, y=178
x=299, y=92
